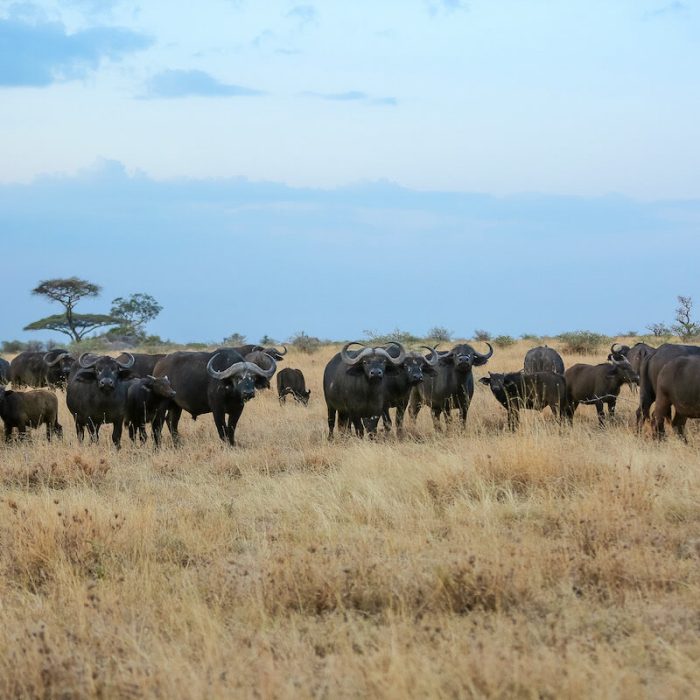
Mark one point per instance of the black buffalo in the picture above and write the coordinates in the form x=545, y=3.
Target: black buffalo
x=147, y=401
x=599, y=384
x=31, y=368
x=651, y=366
x=29, y=409
x=290, y=382
x=536, y=391
x=96, y=394
x=398, y=385
x=4, y=371
x=219, y=382
x=144, y=363
x=543, y=359
x=353, y=386
x=452, y=386
x=677, y=387
x=635, y=354
x=273, y=352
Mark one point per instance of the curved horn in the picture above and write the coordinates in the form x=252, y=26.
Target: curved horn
x=434, y=357
x=616, y=345
x=286, y=350
x=129, y=363
x=394, y=360
x=56, y=359
x=257, y=369
x=353, y=360
x=225, y=373
x=238, y=367
x=622, y=361
x=84, y=362
x=484, y=357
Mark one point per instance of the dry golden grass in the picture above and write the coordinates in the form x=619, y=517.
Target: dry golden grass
x=550, y=563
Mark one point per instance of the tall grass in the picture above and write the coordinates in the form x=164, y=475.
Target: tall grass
x=546, y=563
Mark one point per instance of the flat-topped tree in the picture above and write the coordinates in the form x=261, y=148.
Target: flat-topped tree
x=68, y=292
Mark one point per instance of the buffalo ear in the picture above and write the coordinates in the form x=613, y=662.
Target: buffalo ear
x=126, y=374
x=7, y=392
x=87, y=374
x=485, y=380
x=447, y=360
x=429, y=370
x=355, y=370
x=479, y=361
x=391, y=368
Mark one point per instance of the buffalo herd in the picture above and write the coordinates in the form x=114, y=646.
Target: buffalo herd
x=361, y=384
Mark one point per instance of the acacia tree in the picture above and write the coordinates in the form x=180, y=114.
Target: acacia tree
x=68, y=292
x=133, y=313
x=685, y=327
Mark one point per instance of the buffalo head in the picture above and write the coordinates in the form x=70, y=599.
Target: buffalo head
x=105, y=370
x=372, y=362
x=240, y=376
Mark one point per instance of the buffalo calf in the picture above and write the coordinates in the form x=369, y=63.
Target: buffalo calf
x=29, y=409
x=147, y=401
x=291, y=382
x=536, y=391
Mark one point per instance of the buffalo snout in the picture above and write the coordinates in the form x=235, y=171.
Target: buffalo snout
x=106, y=384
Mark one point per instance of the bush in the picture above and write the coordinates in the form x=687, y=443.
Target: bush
x=482, y=335
x=234, y=340
x=267, y=340
x=440, y=333
x=397, y=335
x=530, y=336
x=305, y=343
x=659, y=330
x=582, y=342
x=504, y=341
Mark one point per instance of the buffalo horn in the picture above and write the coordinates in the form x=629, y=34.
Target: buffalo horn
x=238, y=368
x=348, y=360
x=434, y=357
x=394, y=360
x=56, y=359
x=84, y=362
x=484, y=357
x=129, y=363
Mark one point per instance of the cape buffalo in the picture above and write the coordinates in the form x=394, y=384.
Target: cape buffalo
x=291, y=382
x=537, y=390
x=29, y=409
x=4, y=371
x=354, y=388
x=678, y=387
x=635, y=354
x=453, y=385
x=274, y=353
x=398, y=385
x=202, y=388
x=31, y=368
x=96, y=394
x=599, y=384
x=543, y=359
x=144, y=363
x=147, y=400
x=651, y=366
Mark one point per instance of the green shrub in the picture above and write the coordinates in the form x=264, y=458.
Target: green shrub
x=305, y=343
x=482, y=335
x=582, y=342
x=504, y=341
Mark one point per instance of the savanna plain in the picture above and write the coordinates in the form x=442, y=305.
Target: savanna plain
x=548, y=563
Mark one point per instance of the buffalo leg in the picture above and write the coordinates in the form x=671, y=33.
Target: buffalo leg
x=599, y=407
x=233, y=418
x=360, y=427
x=331, y=422
x=173, y=419
x=400, y=412
x=611, y=408
x=56, y=429
x=678, y=424
x=343, y=422
x=414, y=405
x=132, y=431
x=80, y=430
x=220, y=423
x=436, y=411
x=117, y=433
x=386, y=420
x=143, y=437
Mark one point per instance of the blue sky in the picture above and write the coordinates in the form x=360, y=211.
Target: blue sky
x=518, y=165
